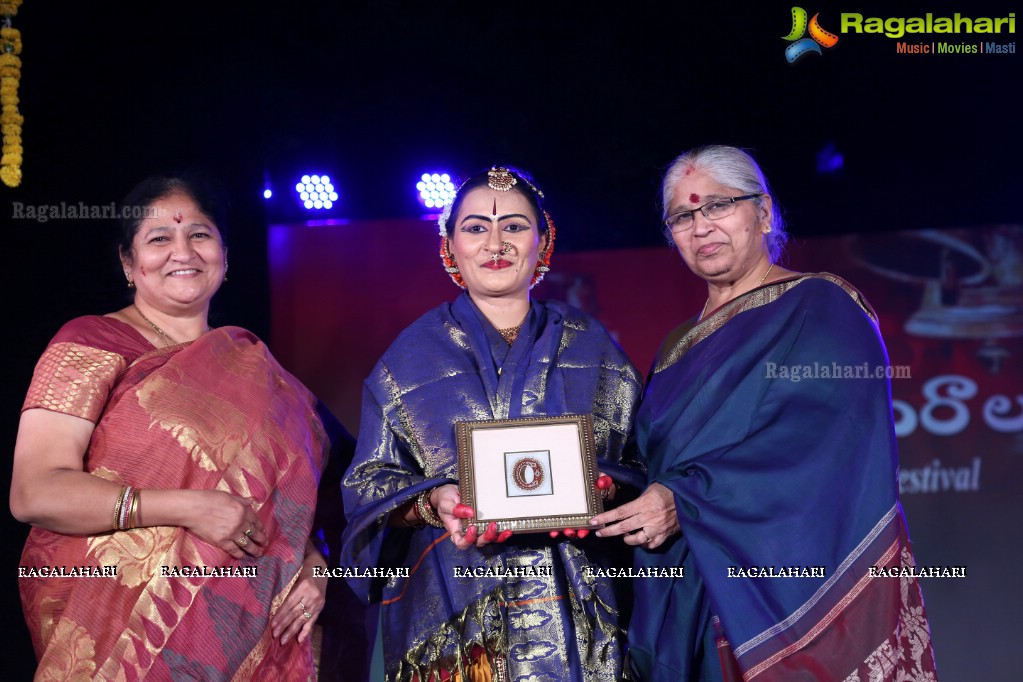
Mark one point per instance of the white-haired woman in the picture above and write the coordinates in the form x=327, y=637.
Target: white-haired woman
x=776, y=495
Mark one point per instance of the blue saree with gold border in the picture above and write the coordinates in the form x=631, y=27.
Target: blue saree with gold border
x=452, y=365
x=771, y=425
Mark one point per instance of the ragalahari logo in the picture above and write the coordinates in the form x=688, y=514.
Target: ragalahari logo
x=801, y=46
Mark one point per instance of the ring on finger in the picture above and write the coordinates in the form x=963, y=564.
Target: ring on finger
x=250, y=531
x=307, y=614
x=301, y=606
x=242, y=541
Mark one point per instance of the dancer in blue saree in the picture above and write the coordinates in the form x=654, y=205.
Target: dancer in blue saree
x=491, y=354
x=767, y=431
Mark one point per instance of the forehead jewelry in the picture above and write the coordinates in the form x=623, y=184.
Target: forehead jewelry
x=500, y=179
x=178, y=217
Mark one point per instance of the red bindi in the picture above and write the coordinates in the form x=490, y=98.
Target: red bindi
x=694, y=198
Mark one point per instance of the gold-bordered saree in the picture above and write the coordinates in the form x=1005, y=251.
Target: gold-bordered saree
x=218, y=413
x=771, y=422
x=563, y=622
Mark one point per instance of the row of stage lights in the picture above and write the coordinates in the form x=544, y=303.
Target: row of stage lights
x=317, y=192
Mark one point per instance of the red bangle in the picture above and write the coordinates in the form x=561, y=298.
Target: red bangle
x=425, y=510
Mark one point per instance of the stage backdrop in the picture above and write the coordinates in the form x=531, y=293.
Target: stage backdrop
x=950, y=302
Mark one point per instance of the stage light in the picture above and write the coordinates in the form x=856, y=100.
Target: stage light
x=830, y=159
x=267, y=193
x=435, y=190
x=316, y=192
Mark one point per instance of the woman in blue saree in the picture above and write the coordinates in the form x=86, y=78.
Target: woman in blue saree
x=493, y=353
x=767, y=431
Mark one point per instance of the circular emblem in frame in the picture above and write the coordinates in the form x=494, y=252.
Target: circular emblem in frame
x=528, y=474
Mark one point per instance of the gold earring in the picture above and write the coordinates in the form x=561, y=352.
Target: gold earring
x=131, y=282
x=767, y=230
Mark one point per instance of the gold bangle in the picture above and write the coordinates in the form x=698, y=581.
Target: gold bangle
x=133, y=519
x=117, y=507
x=425, y=510
x=129, y=499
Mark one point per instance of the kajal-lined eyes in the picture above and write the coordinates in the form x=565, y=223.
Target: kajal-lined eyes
x=480, y=228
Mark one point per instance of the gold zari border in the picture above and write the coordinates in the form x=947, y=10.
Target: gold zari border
x=673, y=350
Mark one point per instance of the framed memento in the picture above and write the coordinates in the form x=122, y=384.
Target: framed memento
x=529, y=475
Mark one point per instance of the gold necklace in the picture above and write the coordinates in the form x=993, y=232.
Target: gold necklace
x=511, y=333
x=167, y=340
x=762, y=280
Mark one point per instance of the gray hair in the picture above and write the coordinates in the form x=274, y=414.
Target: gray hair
x=733, y=167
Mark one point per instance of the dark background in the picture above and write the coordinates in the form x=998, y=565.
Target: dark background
x=595, y=100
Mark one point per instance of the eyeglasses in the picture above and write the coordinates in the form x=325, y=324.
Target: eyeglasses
x=712, y=210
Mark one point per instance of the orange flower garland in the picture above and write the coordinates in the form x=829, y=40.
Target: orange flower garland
x=543, y=265
x=10, y=77
x=449, y=262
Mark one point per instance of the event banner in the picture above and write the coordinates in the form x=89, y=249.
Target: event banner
x=950, y=308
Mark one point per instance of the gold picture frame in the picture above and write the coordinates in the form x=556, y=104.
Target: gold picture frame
x=529, y=475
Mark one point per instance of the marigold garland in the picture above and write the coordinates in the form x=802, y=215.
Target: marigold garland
x=449, y=262
x=11, y=154
x=543, y=263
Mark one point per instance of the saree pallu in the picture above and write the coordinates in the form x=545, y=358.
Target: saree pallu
x=449, y=366
x=218, y=413
x=768, y=423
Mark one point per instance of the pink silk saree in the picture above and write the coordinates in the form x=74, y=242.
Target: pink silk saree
x=218, y=413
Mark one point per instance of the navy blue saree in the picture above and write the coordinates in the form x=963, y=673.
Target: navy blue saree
x=771, y=424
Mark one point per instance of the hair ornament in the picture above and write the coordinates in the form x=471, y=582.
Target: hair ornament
x=450, y=266
x=500, y=179
x=543, y=262
x=442, y=220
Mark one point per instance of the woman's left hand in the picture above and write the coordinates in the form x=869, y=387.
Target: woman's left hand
x=648, y=520
x=304, y=603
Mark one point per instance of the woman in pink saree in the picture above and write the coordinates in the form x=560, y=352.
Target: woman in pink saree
x=170, y=474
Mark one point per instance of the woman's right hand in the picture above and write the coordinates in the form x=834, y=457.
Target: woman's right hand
x=448, y=504
x=226, y=521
